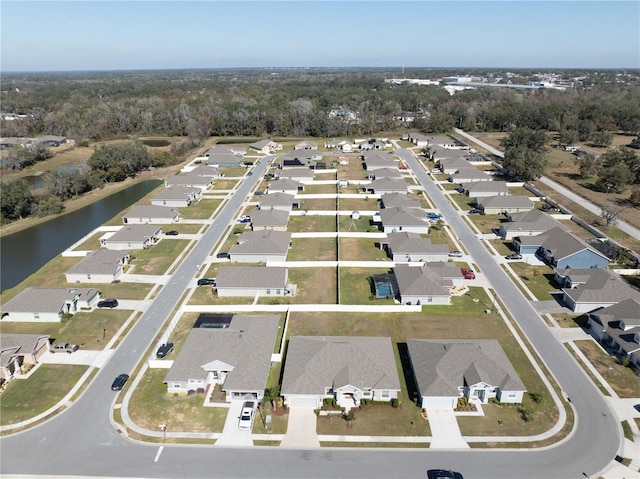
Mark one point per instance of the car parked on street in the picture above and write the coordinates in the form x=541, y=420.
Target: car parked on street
x=456, y=254
x=163, y=350
x=514, y=256
x=64, y=348
x=443, y=474
x=467, y=273
x=108, y=303
x=245, y=422
x=119, y=382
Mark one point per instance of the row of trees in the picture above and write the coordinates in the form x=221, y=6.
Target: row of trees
x=615, y=170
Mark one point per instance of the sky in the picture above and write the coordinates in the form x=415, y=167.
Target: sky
x=125, y=35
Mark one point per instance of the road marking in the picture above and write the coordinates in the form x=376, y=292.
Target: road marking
x=158, y=454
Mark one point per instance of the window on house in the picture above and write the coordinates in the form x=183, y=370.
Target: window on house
x=512, y=395
x=177, y=385
x=278, y=292
x=268, y=291
x=384, y=394
x=36, y=315
x=366, y=392
x=328, y=391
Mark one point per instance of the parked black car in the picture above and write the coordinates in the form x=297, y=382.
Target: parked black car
x=119, y=382
x=222, y=255
x=206, y=282
x=108, y=303
x=443, y=474
x=172, y=233
x=164, y=350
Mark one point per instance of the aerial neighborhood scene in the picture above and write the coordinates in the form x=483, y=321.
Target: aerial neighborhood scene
x=246, y=253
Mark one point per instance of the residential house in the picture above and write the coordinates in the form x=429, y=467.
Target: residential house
x=195, y=181
x=451, y=165
x=407, y=246
x=301, y=175
x=145, y=214
x=339, y=144
x=561, y=249
x=132, y=237
x=482, y=189
x=379, y=161
x=528, y=223
x=177, y=196
x=306, y=145
x=50, y=141
x=585, y=290
x=470, y=174
x=384, y=185
x=495, y=205
x=225, y=150
x=278, y=201
x=20, y=350
x=11, y=143
x=418, y=139
x=265, y=146
x=385, y=173
x=345, y=368
x=391, y=200
x=99, y=266
x=252, y=281
x=271, y=219
x=447, y=370
x=618, y=327
x=207, y=172
x=228, y=160
x=289, y=187
x=421, y=285
x=47, y=305
x=400, y=218
x=237, y=357
x=261, y=246
x=447, y=271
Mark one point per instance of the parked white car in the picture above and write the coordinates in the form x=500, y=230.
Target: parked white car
x=245, y=423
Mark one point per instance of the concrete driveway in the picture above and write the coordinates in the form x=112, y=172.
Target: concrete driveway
x=86, y=357
x=301, y=430
x=231, y=435
x=445, y=433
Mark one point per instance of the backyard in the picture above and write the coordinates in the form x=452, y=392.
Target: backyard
x=311, y=223
x=361, y=249
x=201, y=210
x=158, y=258
x=312, y=249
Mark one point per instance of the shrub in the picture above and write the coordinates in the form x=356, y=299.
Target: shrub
x=525, y=414
x=395, y=403
x=536, y=397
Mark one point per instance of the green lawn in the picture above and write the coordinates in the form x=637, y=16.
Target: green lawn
x=299, y=224
x=232, y=171
x=315, y=285
x=51, y=275
x=539, y=279
x=206, y=295
x=362, y=224
x=26, y=398
x=358, y=204
x=361, y=249
x=158, y=258
x=91, y=243
x=487, y=223
x=356, y=286
x=503, y=247
x=318, y=204
x=202, y=210
x=312, y=249
x=318, y=189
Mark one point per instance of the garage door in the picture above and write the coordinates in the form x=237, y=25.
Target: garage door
x=303, y=401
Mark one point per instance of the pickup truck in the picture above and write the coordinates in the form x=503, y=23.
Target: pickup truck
x=64, y=348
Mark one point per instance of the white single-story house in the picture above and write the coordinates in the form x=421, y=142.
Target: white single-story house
x=407, y=246
x=50, y=141
x=18, y=350
x=207, y=171
x=99, y=266
x=384, y=186
x=261, y=246
x=47, y=305
x=225, y=150
x=447, y=370
x=238, y=357
x=347, y=368
x=339, y=144
x=618, y=327
x=194, y=181
x=391, y=200
x=495, y=205
x=482, y=189
x=265, y=146
x=222, y=160
x=421, y=285
x=585, y=290
x=470, y=174
x=301, y=175
x=418, y=139
x=272, y=219
x=278, y=201
x=306, y=145
x=145, y=214
x=132, y=237
x=252, y=281
x=400, y=218
x=177, y=196
x=289, y=187
x=528, y=223
x=385, y=173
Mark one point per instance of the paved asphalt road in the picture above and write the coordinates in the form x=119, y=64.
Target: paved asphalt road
x=81, y=441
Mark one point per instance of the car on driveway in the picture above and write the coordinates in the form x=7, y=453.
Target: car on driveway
x=244, y=219
x=467, y=273
x=119, y=382
x=206, y=282
x=456, y=254
x=514, y=256
x=108, y=303
x=222, y=255
x=443, y=474
x=474, y=211
x=245, y=423
x=172, y=233
x=64, y=348
x=163, y=350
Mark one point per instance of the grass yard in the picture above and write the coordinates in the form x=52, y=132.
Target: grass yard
x=202, y=210
x=206, y=295
x=26, y=398
x=622, y=379
x=312, y=249
x=353, y=171
x=356, y=286
x=301, y=224
x=183, y=228
x=318, y=204
x=149, y=404
x=51, y=275
x=362, y=224
x=318, y=190
x=359, y=204
x=91, y=243
x=539, y=279
x=361, y=249
x=487, y=223
x=315, y=285
x=503, y=247
x=224, y=185
x=438, y=234
x=123, y=290
x=566, y=320
x=232, y=171
x=158, y=258
x=463, y=201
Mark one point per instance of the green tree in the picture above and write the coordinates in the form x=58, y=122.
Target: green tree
x=615, y=179
x=524, y=162
x=589, y=166
x=634, y=199
x=16, y=200
x=48, y=205
x=121, y=161
x=601, y=138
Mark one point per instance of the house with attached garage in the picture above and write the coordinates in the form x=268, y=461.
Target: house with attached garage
x=495, y=205
x=339, y=144
x=418, y=139
x=195, y=181
x=412, y=220
x=18, y=351
x=132, y=237
x=450, y=165
x=207, y=172
x=278, y=201
x=225, y=150
x=261, y=246
x=618, y=327
x=145, y=214
x=379, y=161
x=99, y=266
x=253, y=281
x=265, y=146
x=47, y=305
x=223, y=160
x=469, y=175
x=482, y=189
x=385, y=173
x=447, y=370
x=562, y=250
x=585, y=290
x=346, y=368
x=177, y=196
x=237, y=357
x=289, y=187
x=407, y=246
x=421, y=285
x=306, y=145
x=384, y=185
x=301, y=175
x=528, y=223
x=391, y=200
x=273, y=219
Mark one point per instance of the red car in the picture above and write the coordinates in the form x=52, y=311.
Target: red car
x=467, y=273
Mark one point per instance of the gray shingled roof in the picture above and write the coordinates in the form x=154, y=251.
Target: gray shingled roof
x=177, y=193
x=380, y=162
x=276, y=199
x=402, y=216
x=299, y=172
x=627, y=310
x=24, y=343
x=251, y=277
x=561, y=244
x=505, y=201
x=457, y=163
x=441, y=367
x=602, y=285
x=269, y=218
x=486, y=187
x=101, y=261
x=262, y=242
x=403, y=242
x=534, y=220
x=259, y=145
x=421, y=281
x=151, y=211
x=205, y=170
x=390, y=200
x=390, y=173
x=246, y=345
x=188, y=180
x=45, y=300
x=284, y=185
x=469, y=172
x=314, y=363
x=385, y=184
x=135, y=233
